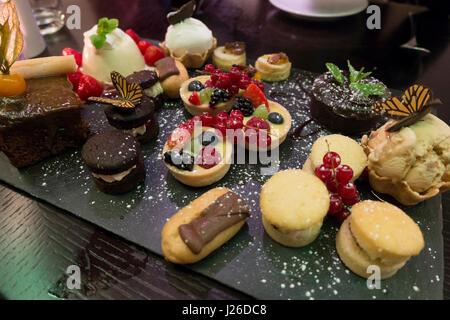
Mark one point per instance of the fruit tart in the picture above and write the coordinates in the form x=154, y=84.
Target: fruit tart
x=197, y=152
x=232, y=53
x=342, y=100
x=274, y=67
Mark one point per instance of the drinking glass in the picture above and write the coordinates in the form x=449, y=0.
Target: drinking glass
x=48, y=14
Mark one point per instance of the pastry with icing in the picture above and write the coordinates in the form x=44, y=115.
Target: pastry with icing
x=293, y=205
x=203, y=226
x=188, y=39
x=172, y=74
x=274, y=67
x=378, y=234
x=229, y=55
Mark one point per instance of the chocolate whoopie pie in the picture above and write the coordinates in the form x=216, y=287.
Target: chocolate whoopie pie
x=141, y=121
x=115, y=160
x=342, y=108
x=149, y=81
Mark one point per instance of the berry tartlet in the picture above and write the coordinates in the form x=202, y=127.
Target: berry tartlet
x=216, y=91
x=232, y=53
x=274, y=67
x=293, y=205
x=197, y=152
x=342, y=100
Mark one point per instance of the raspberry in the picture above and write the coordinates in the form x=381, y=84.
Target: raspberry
x=237, y=114
x=71, y=52
x=221, y=117
x=133, y=35
x=143, y=46
x=209, y=68
x=222, y=127
x=207, y=119
x=74, y=78
x=234, y=123
x=208, y=157
x=258, y=124
x=89, y=87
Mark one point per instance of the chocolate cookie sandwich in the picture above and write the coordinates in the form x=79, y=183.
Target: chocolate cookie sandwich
x=132, y=111
x=342, y=100
x=115, y=160
x=150, y=83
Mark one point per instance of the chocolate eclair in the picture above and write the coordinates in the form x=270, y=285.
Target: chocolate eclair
x=342, y=107
x=150, y=83
x=203, y=226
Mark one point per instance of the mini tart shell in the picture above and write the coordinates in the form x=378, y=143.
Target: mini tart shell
x=202, y=177
x=198, y=110
x=400, y=190
x=281, y=134
x=190, y=60
x=272, y=72
x=225, y=61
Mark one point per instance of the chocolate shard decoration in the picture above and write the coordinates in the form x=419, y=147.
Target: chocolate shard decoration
x=166, y=68
x=236, y=47
x=226, y=211
x=186, y=11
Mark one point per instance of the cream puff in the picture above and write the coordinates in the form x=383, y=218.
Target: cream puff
x=233, y=53
x=274, y=67
x=378, y=234
x=293, y=205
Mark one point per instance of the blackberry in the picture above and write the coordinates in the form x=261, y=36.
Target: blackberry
x=244, y=105
x=218, y=96
x=208, y=138
x=180, y=160
x=196, y=86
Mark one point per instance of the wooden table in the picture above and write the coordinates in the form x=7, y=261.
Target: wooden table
x=38, y=242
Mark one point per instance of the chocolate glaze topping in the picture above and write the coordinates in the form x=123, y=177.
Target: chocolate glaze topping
x=277, y=57
x=166, y=68
x=226, y=211
x=236, y=47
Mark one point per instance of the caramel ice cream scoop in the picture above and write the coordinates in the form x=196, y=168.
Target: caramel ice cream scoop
x=412, y=164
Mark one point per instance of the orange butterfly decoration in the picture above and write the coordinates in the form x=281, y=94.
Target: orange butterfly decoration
x=416, y=103
x=130, y=94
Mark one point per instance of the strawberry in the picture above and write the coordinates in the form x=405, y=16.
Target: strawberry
x=71, y=52
x=89, y=87
x=74, y=78
x=133, y=35
x=143, y=46
x=179, y=137
x=195, y=99
x=152, y=55
x=256, y=96
x=208, y=157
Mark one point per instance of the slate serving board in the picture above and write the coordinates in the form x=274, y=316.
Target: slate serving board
x=251, y=262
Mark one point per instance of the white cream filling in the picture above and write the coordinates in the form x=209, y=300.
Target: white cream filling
x=113, y=177
x=137, y=131
x=154, y=90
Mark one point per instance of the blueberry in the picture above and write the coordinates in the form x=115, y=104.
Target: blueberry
x=276, y=118
x=207, y=138
x=196, y=86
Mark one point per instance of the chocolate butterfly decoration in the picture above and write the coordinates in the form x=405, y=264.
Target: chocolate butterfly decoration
x=186, y=11
x=130, y=94
x=416, y=103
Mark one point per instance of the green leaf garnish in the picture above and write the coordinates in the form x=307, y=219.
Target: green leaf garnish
x=368, y=89
x=337, y=74
x=353, y=73
x=104, y=26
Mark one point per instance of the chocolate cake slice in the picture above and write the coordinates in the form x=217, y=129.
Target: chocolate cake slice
x=44, y=121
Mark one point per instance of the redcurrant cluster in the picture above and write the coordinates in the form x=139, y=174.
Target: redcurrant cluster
x=337, y=177
x=230, y=81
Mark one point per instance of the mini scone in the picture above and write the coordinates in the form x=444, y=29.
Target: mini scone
x=378, y=233
x=197, y=157
x=274, y=67
x=188, y=39
x=233, y=53
x=412, y=164
x=172, y=74
x=197, y=109
x=351, y=153
x=203, y=226
x=293, y=205
x=115, y=160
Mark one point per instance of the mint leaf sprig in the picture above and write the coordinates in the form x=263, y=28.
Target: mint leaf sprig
x=104, y=26
x=365, y=89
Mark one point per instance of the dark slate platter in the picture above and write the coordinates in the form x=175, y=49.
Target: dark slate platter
x=251, y=262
